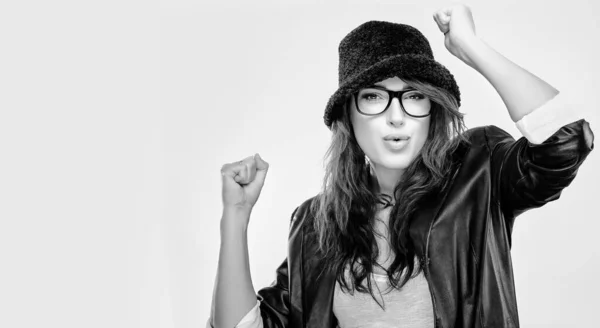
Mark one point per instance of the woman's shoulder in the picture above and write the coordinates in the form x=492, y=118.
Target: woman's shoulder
x=477, y=141
x=305, y=211
x=302, y=215
x=481, y=135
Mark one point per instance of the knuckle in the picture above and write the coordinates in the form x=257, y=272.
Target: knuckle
x=224, y=167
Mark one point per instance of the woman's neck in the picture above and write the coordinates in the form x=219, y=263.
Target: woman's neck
x=384, y=180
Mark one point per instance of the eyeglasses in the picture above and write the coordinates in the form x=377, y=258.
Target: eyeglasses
x=376, y=100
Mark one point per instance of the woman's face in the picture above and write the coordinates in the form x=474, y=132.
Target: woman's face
x=370, y=131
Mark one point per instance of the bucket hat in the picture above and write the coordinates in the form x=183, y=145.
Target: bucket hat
x=377, y=50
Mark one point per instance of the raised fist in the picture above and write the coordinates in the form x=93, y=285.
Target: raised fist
x=242, y=182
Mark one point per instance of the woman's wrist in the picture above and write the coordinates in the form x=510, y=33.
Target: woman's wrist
x=235, y=220
x=473, y=52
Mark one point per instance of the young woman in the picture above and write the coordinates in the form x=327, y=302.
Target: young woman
x=413, y=225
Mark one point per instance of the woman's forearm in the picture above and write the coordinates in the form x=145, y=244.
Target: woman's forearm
x=234, y=295
x=521, y=91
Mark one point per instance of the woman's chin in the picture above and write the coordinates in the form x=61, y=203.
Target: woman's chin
x=395, y=163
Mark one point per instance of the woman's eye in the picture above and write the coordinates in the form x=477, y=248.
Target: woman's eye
x=371, y=96
x=415, y=96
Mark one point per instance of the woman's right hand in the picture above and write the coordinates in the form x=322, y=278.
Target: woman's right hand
x=242, y=183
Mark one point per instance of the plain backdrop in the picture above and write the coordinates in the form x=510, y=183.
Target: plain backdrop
x=116, y=117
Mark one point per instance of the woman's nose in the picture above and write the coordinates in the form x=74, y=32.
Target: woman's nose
x=395, y=114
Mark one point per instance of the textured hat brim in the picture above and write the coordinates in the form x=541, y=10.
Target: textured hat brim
x=409, y=66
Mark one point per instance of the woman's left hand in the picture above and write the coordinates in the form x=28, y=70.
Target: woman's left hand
x=456, y=22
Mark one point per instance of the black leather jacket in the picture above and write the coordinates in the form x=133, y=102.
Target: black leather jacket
x=464, y=238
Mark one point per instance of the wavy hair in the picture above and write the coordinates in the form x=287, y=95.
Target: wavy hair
x=345, y=209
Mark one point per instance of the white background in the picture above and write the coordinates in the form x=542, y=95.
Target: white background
x=115, y=119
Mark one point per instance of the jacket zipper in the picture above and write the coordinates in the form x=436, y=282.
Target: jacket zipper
x=427, y=260
x=426, y=269
x=430, y=290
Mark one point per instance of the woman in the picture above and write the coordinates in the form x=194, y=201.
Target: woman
x=413, y=226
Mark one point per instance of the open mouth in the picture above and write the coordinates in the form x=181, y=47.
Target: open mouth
x=396, y=143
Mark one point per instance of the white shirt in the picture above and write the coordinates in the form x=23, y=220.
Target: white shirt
x=408, y=307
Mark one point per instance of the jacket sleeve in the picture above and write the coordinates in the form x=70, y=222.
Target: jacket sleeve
x=275, y=299
x=530, y=173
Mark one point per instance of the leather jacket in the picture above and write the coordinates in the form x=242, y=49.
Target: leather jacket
x=463, y=237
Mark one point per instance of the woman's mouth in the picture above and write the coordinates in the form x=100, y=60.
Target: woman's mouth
x=395, y=144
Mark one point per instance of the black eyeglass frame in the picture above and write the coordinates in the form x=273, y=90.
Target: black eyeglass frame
x=392, y=95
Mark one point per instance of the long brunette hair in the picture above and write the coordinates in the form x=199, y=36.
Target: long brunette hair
x=345, y=209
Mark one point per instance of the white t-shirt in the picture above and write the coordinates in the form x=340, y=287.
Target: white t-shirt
x=408, y=307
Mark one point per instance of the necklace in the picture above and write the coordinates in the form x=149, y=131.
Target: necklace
x=388, y=204
x=386, y=201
